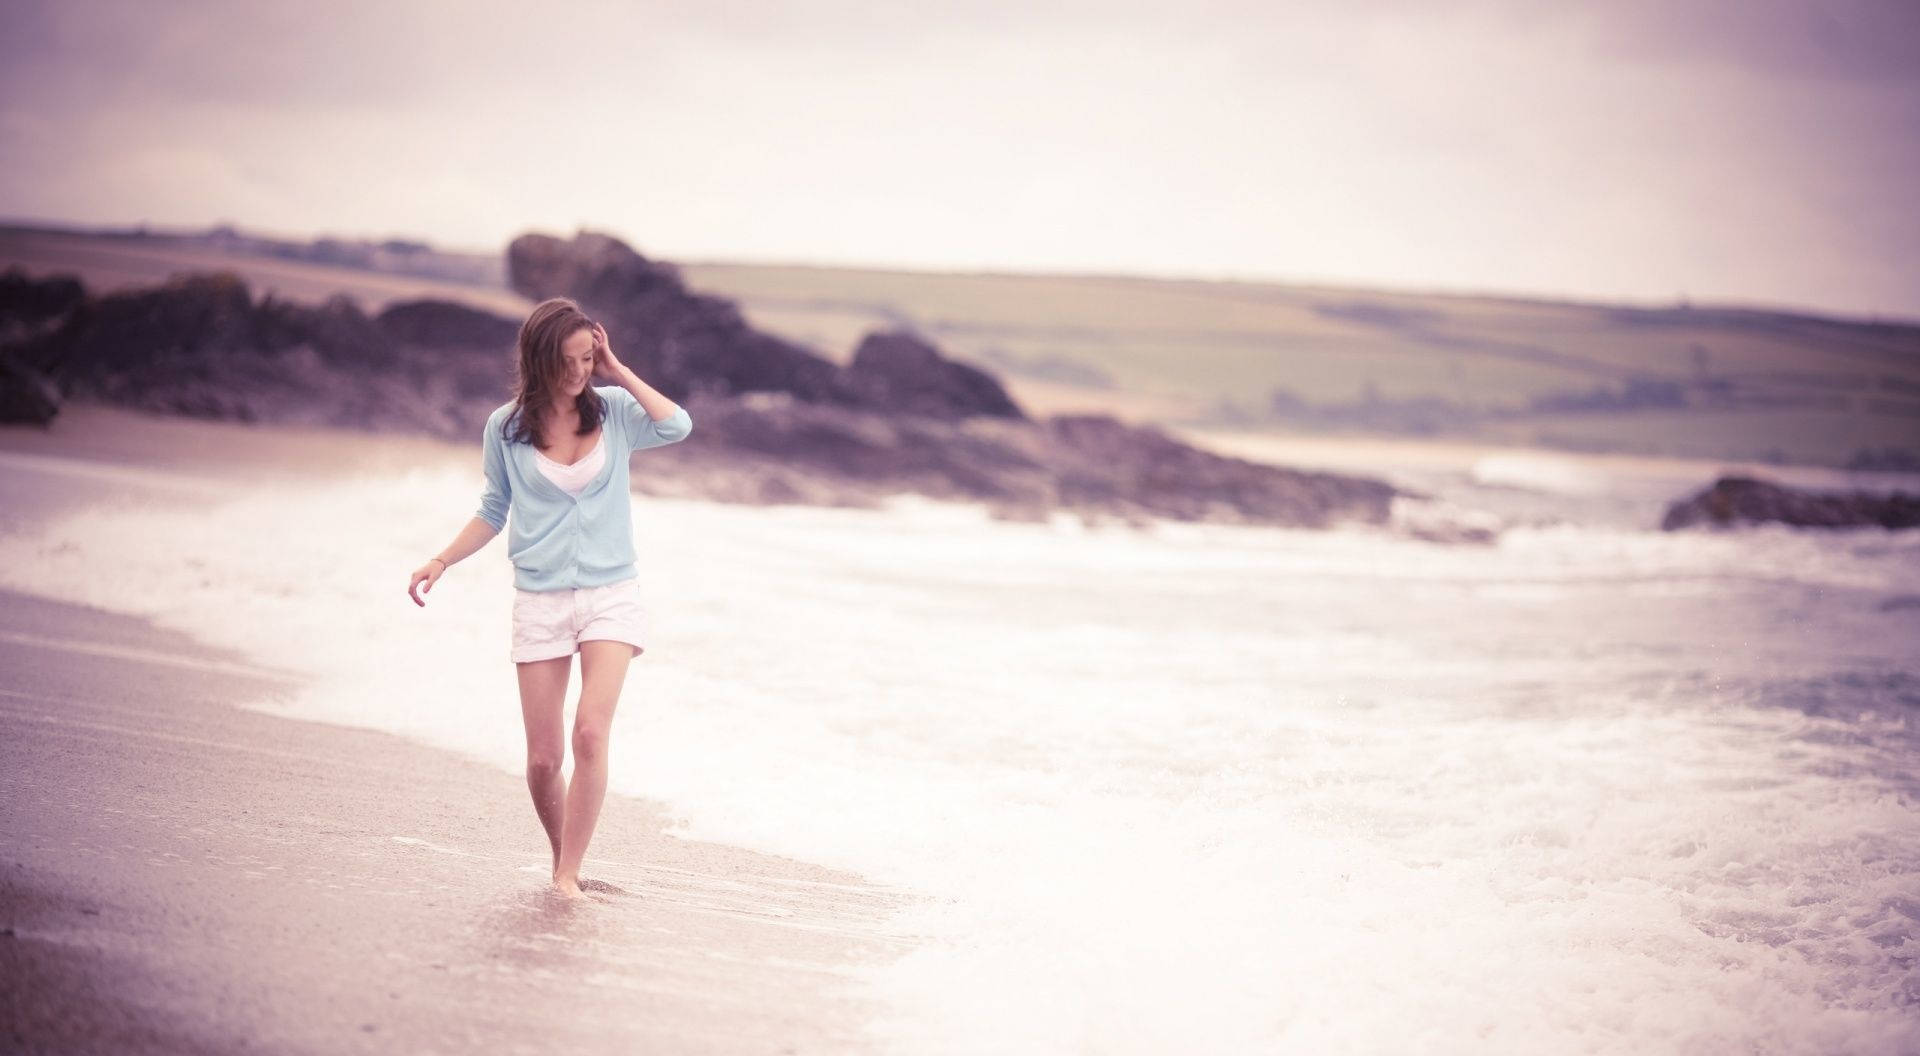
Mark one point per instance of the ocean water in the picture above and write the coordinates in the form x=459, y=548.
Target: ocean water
x=1595, y=788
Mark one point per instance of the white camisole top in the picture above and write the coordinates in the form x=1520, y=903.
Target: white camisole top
x=574, y=479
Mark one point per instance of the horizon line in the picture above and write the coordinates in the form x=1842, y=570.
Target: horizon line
x=1681, y=302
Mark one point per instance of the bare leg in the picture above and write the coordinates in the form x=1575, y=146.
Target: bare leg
x=543, y=701
x=603, y=671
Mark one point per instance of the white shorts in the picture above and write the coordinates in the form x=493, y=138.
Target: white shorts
x=550, y=623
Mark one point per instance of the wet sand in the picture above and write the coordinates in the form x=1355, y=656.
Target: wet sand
x=118, y=440
x=179, y=873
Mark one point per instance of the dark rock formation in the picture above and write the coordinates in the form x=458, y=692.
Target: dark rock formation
x=591, y=268
x=1094, y=466
x=198, y=322
x=900, y=372
x=26, y=395
x=681, y=342
x=880, y=453
x=338, y=330
x=25, y=301
x=444, y=324
x=776, y=423
x=194, y=326
x=199, y=345
x=30, y=308
x=684, y=342
x=1097, y=460
x=1744, y=500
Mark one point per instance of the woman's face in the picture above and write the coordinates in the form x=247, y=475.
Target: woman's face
x=576, y=356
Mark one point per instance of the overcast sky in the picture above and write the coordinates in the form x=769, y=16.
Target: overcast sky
x=1749, y=151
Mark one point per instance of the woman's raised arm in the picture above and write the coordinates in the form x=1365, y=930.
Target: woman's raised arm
x=666, y=421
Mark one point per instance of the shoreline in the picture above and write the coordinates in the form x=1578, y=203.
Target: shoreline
x=100, y=433
x=124, y=437
x=185, y=870
x=184, y=873
x=207, y=880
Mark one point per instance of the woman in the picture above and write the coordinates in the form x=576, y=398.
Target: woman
x=556, y=457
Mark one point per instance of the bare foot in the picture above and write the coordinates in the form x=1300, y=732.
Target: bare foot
x=568, y=886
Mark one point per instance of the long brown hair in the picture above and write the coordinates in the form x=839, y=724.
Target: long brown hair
x=540, y=367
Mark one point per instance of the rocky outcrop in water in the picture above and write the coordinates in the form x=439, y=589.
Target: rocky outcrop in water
x=774, y=448
x=1733, y=501
x=29, y=308
x=26, y=395
x=200, y=345
x=205, y=324
x=26, y=302
x=899, y=372
x=443, y=324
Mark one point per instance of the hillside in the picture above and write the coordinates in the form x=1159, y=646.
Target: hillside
x=1685, y=381
x=1696, y=382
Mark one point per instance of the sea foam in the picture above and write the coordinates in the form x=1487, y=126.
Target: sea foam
x=1192, y=788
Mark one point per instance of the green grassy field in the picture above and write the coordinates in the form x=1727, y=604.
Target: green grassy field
x=1693, y=382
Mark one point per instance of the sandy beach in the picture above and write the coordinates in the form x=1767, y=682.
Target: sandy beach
x=916, y=780
x=179, y=873
x=1251, y=530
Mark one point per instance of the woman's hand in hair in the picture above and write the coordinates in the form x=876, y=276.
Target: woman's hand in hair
x=658, y=407
x=605, y=364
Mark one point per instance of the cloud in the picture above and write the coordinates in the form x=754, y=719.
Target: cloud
x=1872, y=40
x=1754, y=151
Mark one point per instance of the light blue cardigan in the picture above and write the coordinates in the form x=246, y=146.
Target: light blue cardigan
x=559, y=541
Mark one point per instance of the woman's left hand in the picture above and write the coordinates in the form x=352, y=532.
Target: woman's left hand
x=604, y=363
